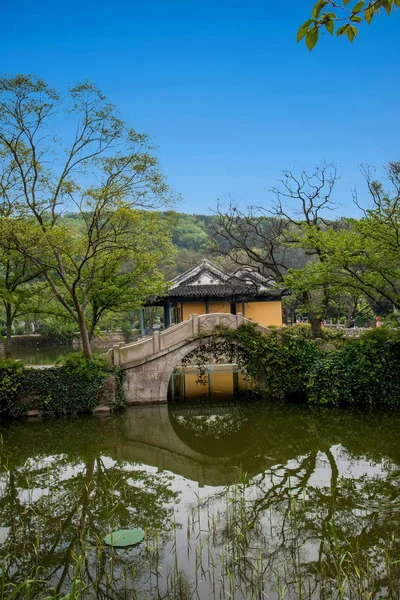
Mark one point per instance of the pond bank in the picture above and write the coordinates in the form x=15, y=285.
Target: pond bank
x=25, y=347
x=76, y=386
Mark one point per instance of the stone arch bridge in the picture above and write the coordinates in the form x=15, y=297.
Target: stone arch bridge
x=150, y=362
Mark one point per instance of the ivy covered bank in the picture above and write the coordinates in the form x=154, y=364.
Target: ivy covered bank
x=333, y=370
x=76, y=385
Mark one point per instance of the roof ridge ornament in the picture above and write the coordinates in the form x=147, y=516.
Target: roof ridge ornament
x=203, y=273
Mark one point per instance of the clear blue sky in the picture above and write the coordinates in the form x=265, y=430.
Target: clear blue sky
x=222, y=87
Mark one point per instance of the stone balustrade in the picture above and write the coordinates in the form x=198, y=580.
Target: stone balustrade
x=159, y=343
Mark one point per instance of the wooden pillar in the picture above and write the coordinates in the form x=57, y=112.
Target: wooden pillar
x=235, y=376
x=209, y=377
x=142, y=327
x=167, y=314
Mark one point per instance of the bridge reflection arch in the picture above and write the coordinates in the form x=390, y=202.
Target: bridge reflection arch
x=213, y=429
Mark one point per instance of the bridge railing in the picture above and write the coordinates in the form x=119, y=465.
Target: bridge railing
x=348, y=331
x=161, y=342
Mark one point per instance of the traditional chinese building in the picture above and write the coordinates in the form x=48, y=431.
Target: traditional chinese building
x=208, y=289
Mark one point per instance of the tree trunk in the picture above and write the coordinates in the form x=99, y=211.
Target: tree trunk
x=313, y=319
x=94, y=321
x=87, y=351
x=315, y=327
x=9, y=321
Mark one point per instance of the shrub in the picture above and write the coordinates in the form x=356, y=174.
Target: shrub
x=287, y=364
x=303, y=330
x=126, y=329
x=279, y=364
x=78, y=363
x=10, y=382
x=70, y=388
x=364, y=372
x=61, y=331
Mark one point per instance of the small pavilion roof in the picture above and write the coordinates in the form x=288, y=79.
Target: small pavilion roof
x=206, y=280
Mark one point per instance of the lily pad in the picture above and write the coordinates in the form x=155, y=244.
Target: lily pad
x=123, y=538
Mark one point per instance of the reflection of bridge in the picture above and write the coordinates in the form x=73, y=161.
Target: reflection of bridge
x=150, y=362
x=150, y=436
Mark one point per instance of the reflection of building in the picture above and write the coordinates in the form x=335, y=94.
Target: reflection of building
x=217, y=383
x=208, y=289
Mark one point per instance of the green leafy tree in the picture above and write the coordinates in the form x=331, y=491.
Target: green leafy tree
x=188, y=232
x=19, y=289
x=100, y=168
x=126, y=277
x=342, y=17
x=274, y=239
x=361, y=258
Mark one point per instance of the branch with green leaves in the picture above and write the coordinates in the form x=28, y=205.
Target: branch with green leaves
x=341, y=17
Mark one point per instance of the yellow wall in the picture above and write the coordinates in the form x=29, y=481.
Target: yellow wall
x=193, y=308
x=222, y=382
x=219, y=306
x=264, y=313
x=239, y=307
x=193, y=389
x=245, y=384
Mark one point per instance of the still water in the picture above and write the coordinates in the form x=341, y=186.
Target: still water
x=237, y=499
x=40, y=355
x=48, y=355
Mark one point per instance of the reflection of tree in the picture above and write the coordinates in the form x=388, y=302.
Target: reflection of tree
x=298, y=511
x=60, y=506
x=321, y=537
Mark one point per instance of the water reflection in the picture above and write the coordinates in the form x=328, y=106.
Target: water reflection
x=40, y=355
x=235, y=499
x=216, y=384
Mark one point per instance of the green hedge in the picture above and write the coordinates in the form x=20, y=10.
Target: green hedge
x=289, y=364
x=11, y=372
x=363, y=372
x=70, y=388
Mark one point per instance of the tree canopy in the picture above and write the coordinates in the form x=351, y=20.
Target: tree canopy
x=341, y=17
x=98, y=167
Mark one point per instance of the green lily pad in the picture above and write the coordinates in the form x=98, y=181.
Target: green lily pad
x=123, y=538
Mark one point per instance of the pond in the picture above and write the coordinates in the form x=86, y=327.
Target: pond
x=47, y=355
x=237, y=499
x=40, y=355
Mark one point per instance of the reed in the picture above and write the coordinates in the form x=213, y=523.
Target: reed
x=225, y=550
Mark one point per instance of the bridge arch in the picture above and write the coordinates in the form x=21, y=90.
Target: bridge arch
x=150, y=436
x=149, y=363
x=176, y=359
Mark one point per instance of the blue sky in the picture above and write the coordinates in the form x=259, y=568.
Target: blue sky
x=227, y=95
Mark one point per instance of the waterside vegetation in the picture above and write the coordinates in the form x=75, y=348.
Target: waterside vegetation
x=332, y=370
x=75, y=385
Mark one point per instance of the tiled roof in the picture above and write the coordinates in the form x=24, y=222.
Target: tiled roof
x=223, y=290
